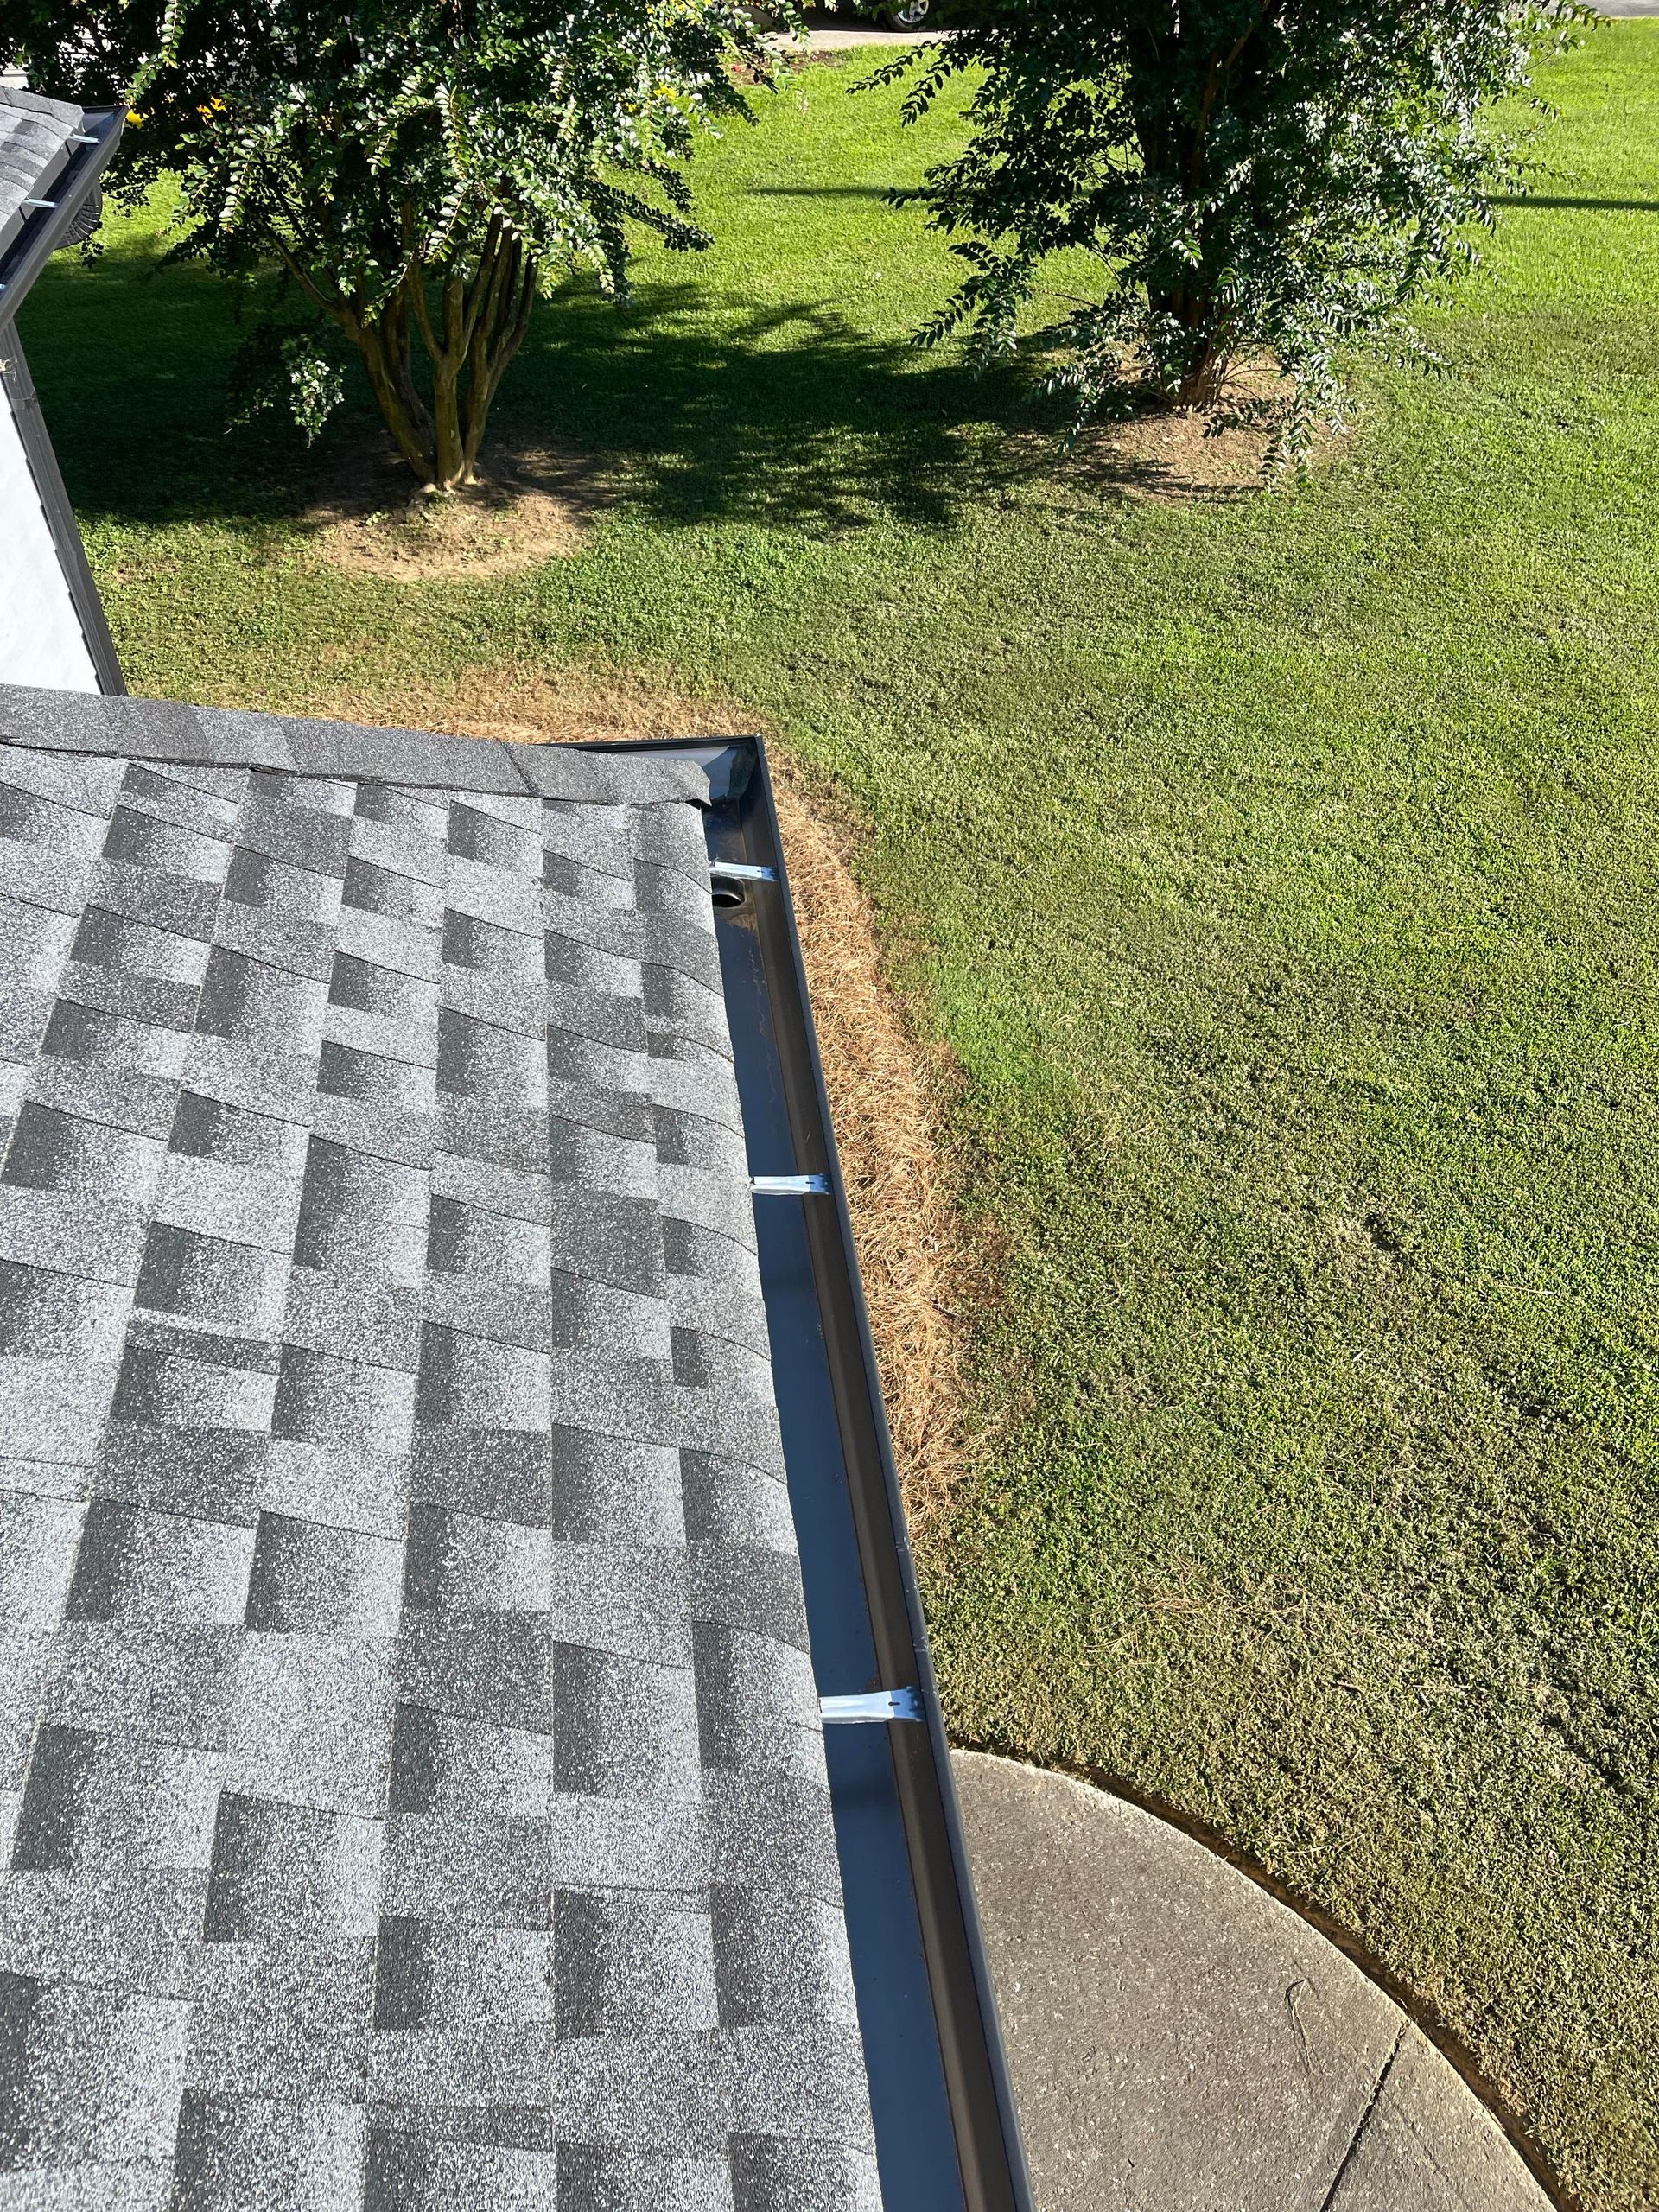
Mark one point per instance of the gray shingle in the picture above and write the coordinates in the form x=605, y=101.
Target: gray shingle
x=132, y=1929
x=111, y=1802
x=34, y=151
x=252, y=2154
x=157, y=730
x=278, y=1869
x=95, y=2075
x=412, y=1786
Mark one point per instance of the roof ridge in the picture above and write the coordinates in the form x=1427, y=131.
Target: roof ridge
x=162, y=731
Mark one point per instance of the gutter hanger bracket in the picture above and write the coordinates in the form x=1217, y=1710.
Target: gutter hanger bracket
x=871, y=1705
x=790, y=1186
x=746, y=871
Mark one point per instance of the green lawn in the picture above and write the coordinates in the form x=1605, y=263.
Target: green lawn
x=1283, y=875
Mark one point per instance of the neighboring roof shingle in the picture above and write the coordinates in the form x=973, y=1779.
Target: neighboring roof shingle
x=35, y=135
x=418, y=1788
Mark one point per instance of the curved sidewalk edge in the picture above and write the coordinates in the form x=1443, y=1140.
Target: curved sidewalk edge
x=1181, y=2042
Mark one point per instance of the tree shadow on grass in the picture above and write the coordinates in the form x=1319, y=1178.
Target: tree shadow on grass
x=700, y=409
x=882, y=191
x=132, y=362
x=718, y=411
x=1546, y=200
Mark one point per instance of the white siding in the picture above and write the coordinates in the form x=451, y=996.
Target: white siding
x=41, y=638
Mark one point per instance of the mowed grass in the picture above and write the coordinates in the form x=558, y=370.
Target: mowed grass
x=1283, y=875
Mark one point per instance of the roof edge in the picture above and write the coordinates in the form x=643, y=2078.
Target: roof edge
x=828, y=1370
x=686, y=772
x=53, y=225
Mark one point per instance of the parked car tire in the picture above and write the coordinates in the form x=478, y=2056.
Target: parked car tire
x=908, y=15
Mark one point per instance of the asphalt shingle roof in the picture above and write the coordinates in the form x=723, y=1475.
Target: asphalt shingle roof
x=35, y=135
x=415, y=1785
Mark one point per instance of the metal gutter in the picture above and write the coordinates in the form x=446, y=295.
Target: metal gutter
x=50, y=227
x=947, y=2133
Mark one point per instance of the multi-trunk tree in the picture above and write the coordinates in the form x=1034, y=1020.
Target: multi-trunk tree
x=419, y=168
x=1204, y=181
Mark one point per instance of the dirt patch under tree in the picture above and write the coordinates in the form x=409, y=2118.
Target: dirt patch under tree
x=532, y=503
x=1182, y=454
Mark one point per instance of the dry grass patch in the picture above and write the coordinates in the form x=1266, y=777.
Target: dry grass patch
x=535, y=502
x=533, y=706
x=884, y=1088
x=884, y=1094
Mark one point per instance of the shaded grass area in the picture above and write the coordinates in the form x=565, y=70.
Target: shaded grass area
x=1283, y=875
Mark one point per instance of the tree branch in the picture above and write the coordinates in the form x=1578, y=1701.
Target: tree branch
x=479, y=290
x=337, y=306
x=1221, y=66
x=417, y=281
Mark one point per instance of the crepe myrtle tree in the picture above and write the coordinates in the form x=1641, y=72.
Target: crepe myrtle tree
x=1245, y=178
x=419, y=168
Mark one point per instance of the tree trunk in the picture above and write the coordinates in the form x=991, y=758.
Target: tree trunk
x=383, y=343
x=1193, y=372
x=483, y=314
x=1204, y=380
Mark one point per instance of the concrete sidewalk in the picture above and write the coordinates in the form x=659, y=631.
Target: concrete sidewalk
x=1181, y=2042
